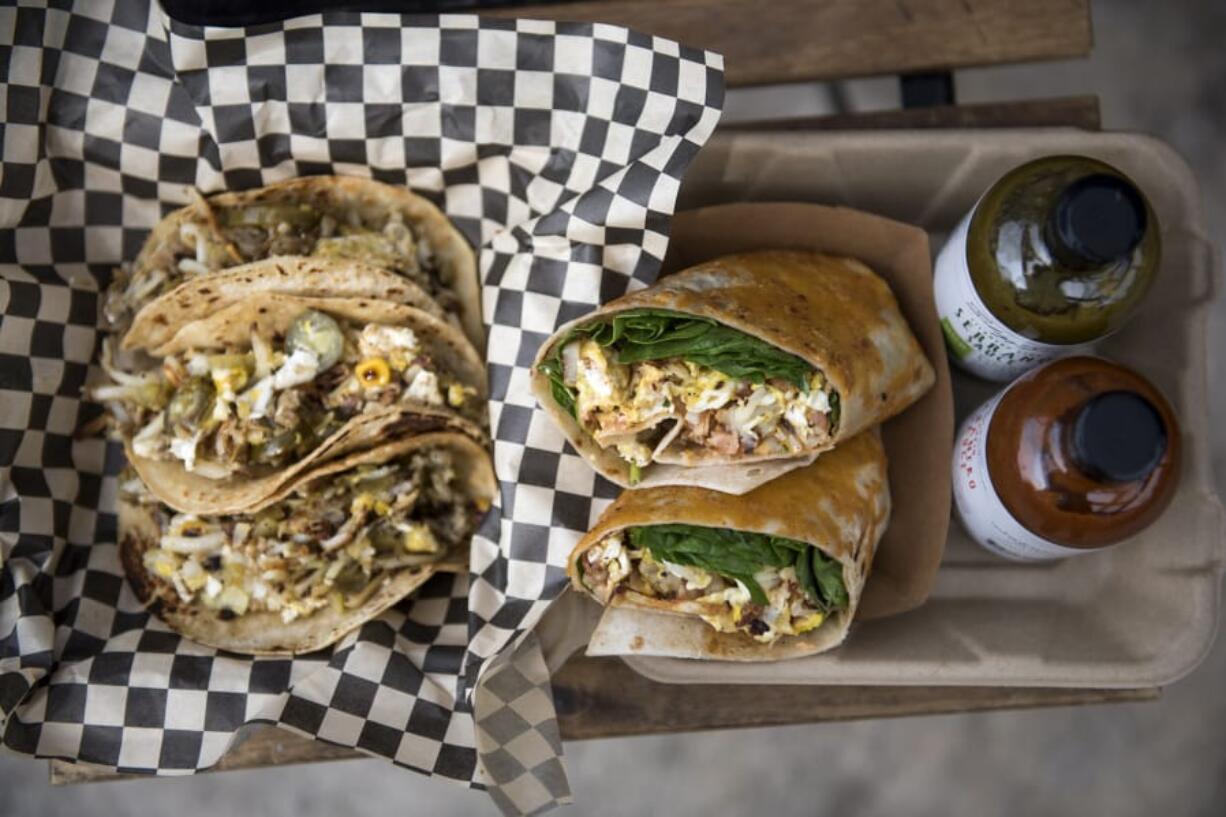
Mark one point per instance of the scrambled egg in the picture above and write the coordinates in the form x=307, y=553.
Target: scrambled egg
x=278, y=560
x=600, y=382
x=617, y=403
x=300, y=367
x=787, y=611
x=397, y=344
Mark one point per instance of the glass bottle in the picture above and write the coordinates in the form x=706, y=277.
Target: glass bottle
x=1055, y=255
x=1074, y=456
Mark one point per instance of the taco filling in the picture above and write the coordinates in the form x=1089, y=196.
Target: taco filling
x=736, y=581
x=659, y=385
x=332, y=542
x=218, y=237
x=246, y=411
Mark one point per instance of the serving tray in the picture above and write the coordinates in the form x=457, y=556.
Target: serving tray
x=1142, y=614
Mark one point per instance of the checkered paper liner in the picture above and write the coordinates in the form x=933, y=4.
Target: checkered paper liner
x=557, y=148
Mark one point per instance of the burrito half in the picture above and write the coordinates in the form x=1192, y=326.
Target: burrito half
x=729, y=373
x=774, y=573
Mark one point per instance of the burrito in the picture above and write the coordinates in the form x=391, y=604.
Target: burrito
x=330, y=217
x=259, y=391
x=774, y=573
x=324, y=555
x=732, y=372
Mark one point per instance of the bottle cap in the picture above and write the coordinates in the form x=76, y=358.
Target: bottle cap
x=1118, y=436
x=1099, y=218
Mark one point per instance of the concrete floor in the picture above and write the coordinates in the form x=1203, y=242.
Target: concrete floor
x=1157, y=67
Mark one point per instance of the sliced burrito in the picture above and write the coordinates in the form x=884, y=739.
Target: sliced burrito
x=259, y=391
x=774, y=573
x=732, y=372
x=335, y=217
x=323, y=556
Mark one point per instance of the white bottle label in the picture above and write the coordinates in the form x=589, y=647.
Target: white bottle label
x=980, y=508
x=978, y=341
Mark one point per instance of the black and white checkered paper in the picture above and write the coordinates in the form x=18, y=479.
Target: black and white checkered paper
x=557, y=148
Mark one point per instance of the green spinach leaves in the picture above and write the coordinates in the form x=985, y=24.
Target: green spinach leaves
x=737, y=555
x=656, y=334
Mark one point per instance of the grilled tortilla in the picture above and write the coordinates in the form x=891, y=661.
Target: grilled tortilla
x=774, y=573
x=325, y=217
x=320, y=558
x=262, y=390
x=203, y=295
x=732, y=372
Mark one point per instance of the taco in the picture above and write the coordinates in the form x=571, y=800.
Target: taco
x=774, y=573
x=732, y=372
x=318, y=559
x=203, y=295
x=335, y=217
x=261, y=390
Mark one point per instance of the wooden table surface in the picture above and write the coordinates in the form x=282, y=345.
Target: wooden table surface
x=792, y=40
x=797, y=40
x=602, y=697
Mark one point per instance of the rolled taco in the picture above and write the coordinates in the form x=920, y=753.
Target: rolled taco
x=732, y=372
x=259, y=391
x=320, y=558
x=335, y=217
x=774, y=573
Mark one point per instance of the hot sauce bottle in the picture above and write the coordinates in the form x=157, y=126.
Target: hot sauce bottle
x=1055, y=255
x=1072, y=457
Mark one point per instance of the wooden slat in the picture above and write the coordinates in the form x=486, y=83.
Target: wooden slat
x=791, y=40
x=602, y=697
x=264, y=746
x=1076, y=111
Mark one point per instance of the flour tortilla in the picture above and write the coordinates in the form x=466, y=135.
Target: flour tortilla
x=833, y=312
x=264, y=633
x=457, y=264
x=270, y=315
x=196, y=298
x=839, y=504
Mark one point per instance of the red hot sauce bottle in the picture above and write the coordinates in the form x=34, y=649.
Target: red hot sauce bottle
x=1070, y=458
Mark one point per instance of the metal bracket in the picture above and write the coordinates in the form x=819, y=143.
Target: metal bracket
x=926, y=89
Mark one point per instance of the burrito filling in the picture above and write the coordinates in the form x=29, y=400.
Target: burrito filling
x=259, y=409
x=764, y=586
x=219, y=237
x=646, y=381
x=332, y=543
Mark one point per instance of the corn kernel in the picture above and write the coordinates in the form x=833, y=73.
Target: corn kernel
x=420, y=540
x=373, y=373
x=457, y=394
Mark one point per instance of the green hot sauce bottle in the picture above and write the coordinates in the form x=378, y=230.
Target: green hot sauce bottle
x=1054, y=256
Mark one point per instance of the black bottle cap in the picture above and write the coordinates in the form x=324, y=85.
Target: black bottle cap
x=1098, y=219
x=1118, y=436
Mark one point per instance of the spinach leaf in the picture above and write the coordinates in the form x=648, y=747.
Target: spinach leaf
x=828, y=574
x=563, y=394
x=804, y=575
x=835, y=410
x=738, y=555
x=656, y=334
